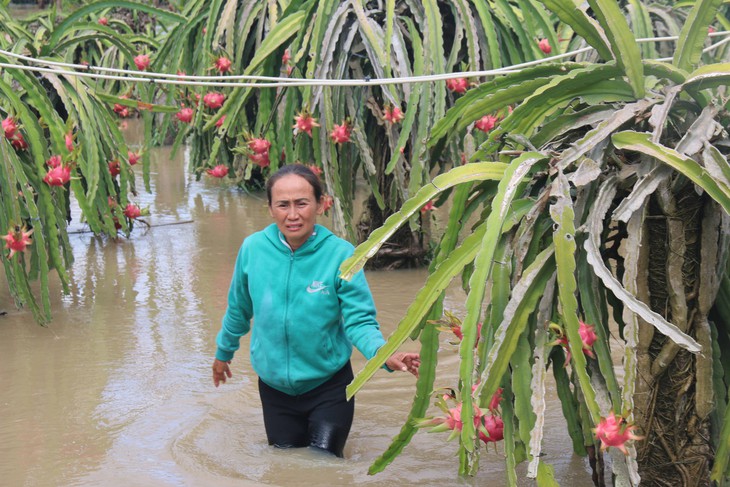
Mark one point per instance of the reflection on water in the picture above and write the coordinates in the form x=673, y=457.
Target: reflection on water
x=117, y=390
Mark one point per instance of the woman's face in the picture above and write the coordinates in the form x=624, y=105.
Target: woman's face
x=294, y=208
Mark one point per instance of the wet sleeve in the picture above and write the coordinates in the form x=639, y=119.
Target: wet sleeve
x=359, y=315
x=237, y=320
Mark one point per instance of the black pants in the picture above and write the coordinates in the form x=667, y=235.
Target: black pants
x=320, y=418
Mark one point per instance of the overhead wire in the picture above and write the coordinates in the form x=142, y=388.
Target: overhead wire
x=116, y=74
x=710, y=47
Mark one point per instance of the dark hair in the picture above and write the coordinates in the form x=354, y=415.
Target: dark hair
x=297, y=170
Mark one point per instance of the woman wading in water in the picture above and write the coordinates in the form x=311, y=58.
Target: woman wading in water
x=286, y=278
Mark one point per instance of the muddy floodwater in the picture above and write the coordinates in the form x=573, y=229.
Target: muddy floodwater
x=117, y=389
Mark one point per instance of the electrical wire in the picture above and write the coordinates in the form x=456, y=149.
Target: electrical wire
x=708, y=48
x=98, y=72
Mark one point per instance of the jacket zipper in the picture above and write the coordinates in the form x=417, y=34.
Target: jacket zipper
x=286, y=317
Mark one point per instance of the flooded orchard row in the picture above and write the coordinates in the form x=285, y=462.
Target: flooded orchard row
x=117, y=389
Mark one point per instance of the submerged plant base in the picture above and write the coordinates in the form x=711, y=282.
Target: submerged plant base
x=404, y=250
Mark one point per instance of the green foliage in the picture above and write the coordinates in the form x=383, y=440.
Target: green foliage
x=335, y=40
x=694, y=31
x=618, y=136
x=55, y=108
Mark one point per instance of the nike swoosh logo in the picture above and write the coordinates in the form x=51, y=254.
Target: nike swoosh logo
x=311, y=289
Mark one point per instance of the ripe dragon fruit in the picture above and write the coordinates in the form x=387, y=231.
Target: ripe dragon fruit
x=142, y=62
x=223, y=65
x=185, y=115
x=132, y=211
x=494, y=426
x=544, y=46
x=496, y=399
x=69, y=139
x=341, y=133
x=17, y=240
x=115, y=168
x=486, y=123
x=261, y=160
x=285, y=62
x=489, y=426
x=58, y=176
x=219, y=171
x=304, y=122
x=133, y=157
x=457, y=85
x=327, y=202
x=614, y=431
x=428, y=207
x=19, y=142
x=588, y=337
x=54, y=161
x=259, y=146
x=214, y=100
x=9, y=127
x=392, y=114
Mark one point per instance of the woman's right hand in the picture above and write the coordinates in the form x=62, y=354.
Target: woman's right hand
x=220, y=372
x=405, y=361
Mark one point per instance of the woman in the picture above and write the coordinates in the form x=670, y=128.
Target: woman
x=286, y=278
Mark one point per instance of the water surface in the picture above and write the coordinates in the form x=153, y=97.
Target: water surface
x=117, y=389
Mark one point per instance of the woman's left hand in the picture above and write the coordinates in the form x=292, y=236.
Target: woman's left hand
x=405, y=361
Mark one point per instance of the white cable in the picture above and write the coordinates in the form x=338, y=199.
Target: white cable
x=216, y=81
x=148, y=74
x=71, y=73
x=190, y=79
x=145, y=74
x=295, y=82
x=715, y=45
x=704, y=51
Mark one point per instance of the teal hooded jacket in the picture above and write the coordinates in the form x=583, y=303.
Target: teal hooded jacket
x=306, y=319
